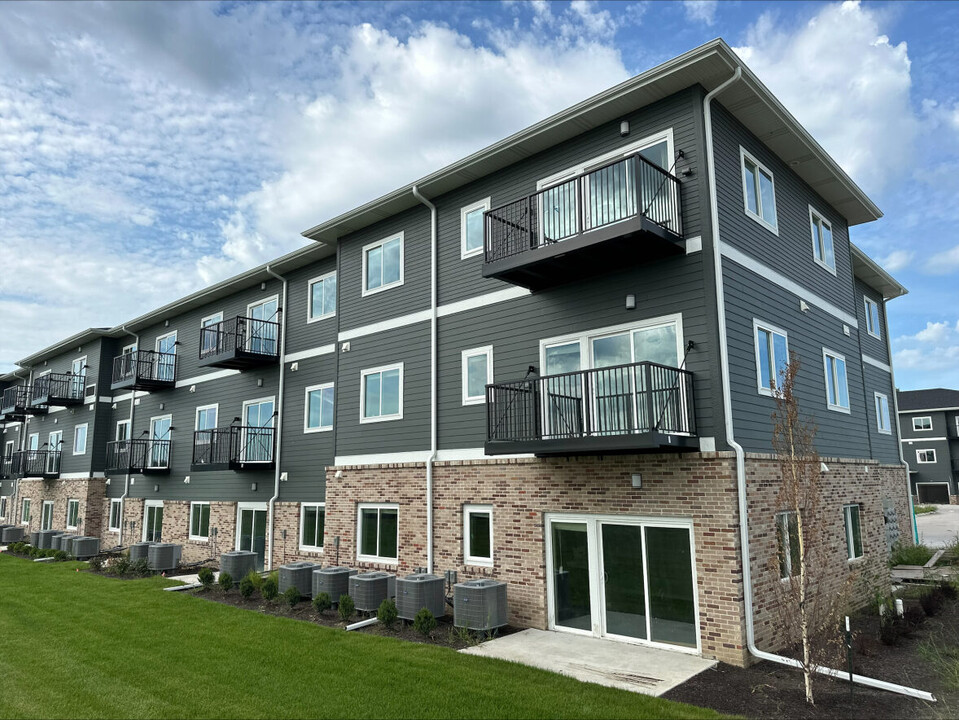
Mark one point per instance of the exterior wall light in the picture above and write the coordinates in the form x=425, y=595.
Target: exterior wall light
x=630, y=302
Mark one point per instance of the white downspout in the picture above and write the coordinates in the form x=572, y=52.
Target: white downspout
x=279, y=420
x=126, y=484
x=895, y=409
x=738, y=449
x=433, y=419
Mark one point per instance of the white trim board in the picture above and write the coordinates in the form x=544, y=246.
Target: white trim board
x=421, y=456
x=312, y=352
x=876, y=363
x=206, y=378
x=927, y=410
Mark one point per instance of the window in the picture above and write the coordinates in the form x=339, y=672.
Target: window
x=319, y=408
x=322, y=297
x=872, y=318
x=378, y=530
x=381, y=397
x=46, y=517
x=922, y=424
x=25, y=511
x=123, y=430
x=478, y=535
x=772, y=357
x=787, y=544
x=210, y=340
x=127, y=349
x=383, y=265
x=882, y=414
x=78, y=371
x=73, y=514
x=312, y=524
x=206, y=418
x=3, y=507
x=477, y=374
x=853, y=532
x=759, y=192
x=837, y=389
x=925, y=457
x=116, y=514
x=199, y=520
x=80, y=439
x=822, y=249
x=471, y=228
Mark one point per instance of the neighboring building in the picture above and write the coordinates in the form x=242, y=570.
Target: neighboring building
x=552, y=362
x=929, y=422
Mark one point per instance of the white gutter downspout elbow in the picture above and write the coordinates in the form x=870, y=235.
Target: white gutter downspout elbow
x=126, y=484
x=279, y=420
x=737, y=448
x=433, y=419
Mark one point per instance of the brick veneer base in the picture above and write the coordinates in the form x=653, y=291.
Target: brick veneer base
x=88, y=491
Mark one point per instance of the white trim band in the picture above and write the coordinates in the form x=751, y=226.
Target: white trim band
x=876, y=363
x=312, y=352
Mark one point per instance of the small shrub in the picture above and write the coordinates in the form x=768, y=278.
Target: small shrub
x=949, y=591
x=346, y=608
x=256, y=579
x=141, y=567
x=247, y=588
x=226, y=582
x=120, y=566
x=96, y=563
x=35, y=552
x=925, y=509
x=891, y=629
x=291, y=595
x=270, y=588
x=322, y=602
x=909, y=555
x=60, y=555
x=424, y=622
x=932, y=602
x=387, y=613
x=206, y=578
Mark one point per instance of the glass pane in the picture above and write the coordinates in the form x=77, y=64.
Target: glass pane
x=559, y=212
x=259, y=537
x=623, y=580
x=480, y=535
x=317, y=299
x=326, y=408
x=749, y=177
x=843, y=386
x=372, y=396
x=794, y=557
x=374, y=268
x=856, y=532
x=612, y=388
x=571, y=575
x=831, y=380
x=474, y=230
x=782, y=357
x=656, y=345
x=476, y=369
x=765, y=370
x=388, y=539
x=320, y=526
x=781, y=546
x=329, y=294
x=315, y=402
x=671, y=607
x=368, y=527
x=829, y=257
x=391, y=262
x=562, y=359
x=657, y=154
x=391, y=392
x=768, y=199
x=608, y=194
x=246, y=530
x=308, y=536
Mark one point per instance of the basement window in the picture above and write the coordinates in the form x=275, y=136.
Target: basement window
x=199, y=520
x=312, y=526
x=787, y=544
x=378, y=533
x=73, y=514
x=478, y=535
x=25, y=512
x=853, y=531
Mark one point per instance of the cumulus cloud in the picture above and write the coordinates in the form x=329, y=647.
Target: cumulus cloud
x=897, y=260
x=943, y=263
x=931, y=356
x=703, y=11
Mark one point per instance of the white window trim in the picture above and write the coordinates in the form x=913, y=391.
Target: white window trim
x=67, y=519
x=922, y=429
x=761, y=325
x=131, y=348
x=788, y=548
x=814, y=215
x=26, y=503
x=116, y=432
x=879, y=428
x=486, y=350
x=874, y=332
x=373, y=371
x=86, y=438
x=847, y=526
x=147, y=504
x=263, y=301
x=4, y=503
x=190, y=535
x=110, y=527
x=30, y=440
x=196, y=415
x=920, y=461
x=372, y=246
x=43, y=511
x=306, y=407
x=216, y=317
x=309, y=297
x=744, y=154
x=83, y=369
x=484, y=205
x=360, y=507
x=826, y=353
x=156, y=342
x=303, y=507
x=468, y=557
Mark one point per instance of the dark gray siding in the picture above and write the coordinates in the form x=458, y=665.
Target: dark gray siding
x=885, y=447
x=872, y=346
x=939, y=424
x=303, y=335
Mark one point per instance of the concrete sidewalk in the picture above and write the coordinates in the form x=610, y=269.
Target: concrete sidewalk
x=939, y=529
x=636, y=668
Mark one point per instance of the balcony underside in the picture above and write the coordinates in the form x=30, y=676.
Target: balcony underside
x=36, y=410
x=12, y=415
x=599, y=445
x=238, y=359
x=234, y=465
x=57, y=401
x=141, y=470
x=142, y=384
x=630, y=242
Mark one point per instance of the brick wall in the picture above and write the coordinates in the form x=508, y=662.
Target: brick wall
x=88, y=491
x=176, y=528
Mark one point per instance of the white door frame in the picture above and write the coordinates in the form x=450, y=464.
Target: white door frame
x=240, y=507
x=147, y=504
x=243, y=440
x=249, y=314
x=43, y=514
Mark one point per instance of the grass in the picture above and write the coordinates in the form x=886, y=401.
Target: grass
x=77, y=645
x=925, y=509
x=910, y=555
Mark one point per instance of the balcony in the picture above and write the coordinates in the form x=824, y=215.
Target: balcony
x=37, y=463
x=144, y=370
x=626, y=212
x=6, y=466
x=233, y=448
x=640, y=407
x=16, y=404
x=144, y=457
x=58, y=389
x=239, y=343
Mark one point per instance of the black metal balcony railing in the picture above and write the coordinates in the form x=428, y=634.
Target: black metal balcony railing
x=628, y=188
x=36, y=463
x=235, y=448
x=239, y=342
x=6, y=466
x=16, y=402
x=140, y=456
x=58, y=389
x=144, y=370
x=626, y=407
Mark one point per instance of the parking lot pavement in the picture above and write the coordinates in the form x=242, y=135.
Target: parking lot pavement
x=940, y=528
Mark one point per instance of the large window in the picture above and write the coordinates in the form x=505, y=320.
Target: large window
x=772, y=357
x=381, y=395
x=209, y=340
x=872, y=318
x=471, y=228
x=80, y=439
x=477, y=373
x=926, y=456
x=883, y=424
x=922, y=424
x=25, y=511
x=73, y=514
x=383, y=264
x=46, y=517
x=478, y=535
x=853, y=531
x=787, y=544
x=206, y=416
x=759, y=192
x=312, y=524
x=199, y=520
x=378, y=531
x=822, y=248
x=116, y=514
x=3, y=507
x=322, y=297
x=837, y=387
x=318, y=416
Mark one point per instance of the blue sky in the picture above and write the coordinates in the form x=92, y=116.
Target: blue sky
x=147, y=149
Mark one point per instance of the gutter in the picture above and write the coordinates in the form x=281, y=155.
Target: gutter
x=126, y=483
x=740, y=453
x=433, y=443
x=279, y=420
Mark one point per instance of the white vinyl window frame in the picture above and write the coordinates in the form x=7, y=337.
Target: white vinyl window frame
x=147, y=504
x=784, y=544
x=310, y=316
x=379, y=507
x=465, y=212
x=25, y=511
x=245, y=444
x=375, y=371
x=46, y=520
x=771, y=349
x=3, y=507
x=206, y=322
x=872, y=317
x=883, y=422
x=819, y=253
x=487, y=352
x=124, y=434
x=853, y=534
x=73, y=509
x=115, y=522
x=127, y=349
x=832, y=378
x=165, y=336
x=319, y=507
x=80, y=444
x=197, y=506
x=923, y=423
x=468, y=557
x=307, y=428
x=215, y=407
x=401, y=236
x=926, y=456
x=759, y=217
x=80, y=364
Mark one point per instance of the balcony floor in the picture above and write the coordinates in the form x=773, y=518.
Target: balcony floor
x=143, y=384
x=601, y=445
x=238, y=360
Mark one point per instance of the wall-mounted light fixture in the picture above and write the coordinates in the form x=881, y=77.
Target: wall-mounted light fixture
x=345, y=347
x=294, y=367
x=630, y=302
x=253, y=487
x=284, y=477
x=259, y=382
x=637, y=480
x=262, y=286
x=338, y=474
x=186, y=480
x=162, y=405
x=624, y=128
x=113, y=407
x=803, y=306
x=107, y=482
x=156, y=488
x=193, y=388
x=166, y=323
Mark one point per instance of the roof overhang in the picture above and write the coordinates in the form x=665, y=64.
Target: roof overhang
x=708, y=65
x=84, y=336
x=869, y=271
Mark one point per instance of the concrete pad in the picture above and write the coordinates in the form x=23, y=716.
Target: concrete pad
x=939, y=529
x=636, y=668
x=192, y=579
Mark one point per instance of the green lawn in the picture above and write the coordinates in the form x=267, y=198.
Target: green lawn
x=78, y=645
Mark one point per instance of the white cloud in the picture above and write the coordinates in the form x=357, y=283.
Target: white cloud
x=943, y=263
x=703, y=11
x=932, y=354
x=897, y=260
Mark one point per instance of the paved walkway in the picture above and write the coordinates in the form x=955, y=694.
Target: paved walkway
x=636, y=668
x=940, y=528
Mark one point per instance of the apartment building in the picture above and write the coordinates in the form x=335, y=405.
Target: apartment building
x=552, y=362
x=929, y=421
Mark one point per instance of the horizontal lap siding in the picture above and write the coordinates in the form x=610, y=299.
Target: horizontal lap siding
x=885, y=447
x=940, y=471
x=939, y=424
x=872, y=346
x=305, y=455
x=303, y=335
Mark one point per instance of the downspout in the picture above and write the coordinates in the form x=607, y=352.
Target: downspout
x=279, y=419
x=737, y=448
x=895, y=410
x=126, y=483
x=433, y=419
